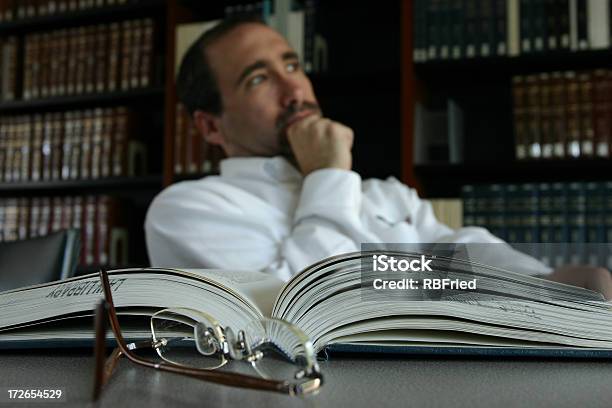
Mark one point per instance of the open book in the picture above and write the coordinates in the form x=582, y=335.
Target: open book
x=332, y=302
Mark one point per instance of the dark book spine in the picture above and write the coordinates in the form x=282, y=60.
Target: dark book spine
x=26, y=148
x=530, y=214
x=310, y=32
x=4, y=130
x=11, y=214
x=136, y=54
x=534, y=137
x=545, y=224
x=45, y=49
x=514, y=232
x=471, y=28
x=469, y=205
x=101, y=52
x=35, y=209
x=69, y=127
x=457, y=29
x=526, y=26
x=101, y=256
x=558, y=114
x=445, y=25
x=57, y=146
x=496, y=217
x=114, y=57
x=607, y=194
x=71, y=55
x=485, y=28
x=562, y=10
x=433, y=29
x=587, y=131
x=546, y=116
x=23, y=212
x=501, y=28
x=126, y=51
x=582, y=25
x=107, y=142
x=481, y=199
x=76, y=150
x=46, y=147
x=36, y=150
x=66, y=213
x=538, y=25
x=147, y=57
x=56, y=214
x=89, y=226
x=573, y=115
x=86, y=142
x=81, y=61
x=97, y=144
x=551, y=16
x=595, y=225
x=576, y=220
x=120, y=142
x=44, y=226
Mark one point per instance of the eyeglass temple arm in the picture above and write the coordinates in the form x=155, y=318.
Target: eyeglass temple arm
x=220, y=377
x=100, y=376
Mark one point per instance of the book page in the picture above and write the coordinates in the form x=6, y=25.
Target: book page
x=257, y=288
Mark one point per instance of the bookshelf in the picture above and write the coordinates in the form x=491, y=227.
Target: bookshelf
x=109, y=197
x=483, y=87
x=533, y=116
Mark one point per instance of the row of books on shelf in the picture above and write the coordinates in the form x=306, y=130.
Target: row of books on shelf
x=81, y=60
x=457, y=29
x=542, y=212
x=563, y=115
x=12, y=10
x=572, y=221
x=104, y=238
x=192, y=154
x=73, y=145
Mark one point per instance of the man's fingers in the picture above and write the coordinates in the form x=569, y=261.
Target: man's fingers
x=302, y=123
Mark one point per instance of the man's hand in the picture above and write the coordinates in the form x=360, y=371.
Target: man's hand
x=589, y=277
x=320, y=143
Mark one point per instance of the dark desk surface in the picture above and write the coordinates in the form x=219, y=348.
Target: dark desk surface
x=350, y=382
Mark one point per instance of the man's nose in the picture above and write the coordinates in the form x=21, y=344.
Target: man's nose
x=292, y=92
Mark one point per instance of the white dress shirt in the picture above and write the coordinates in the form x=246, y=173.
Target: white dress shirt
x=261, y=214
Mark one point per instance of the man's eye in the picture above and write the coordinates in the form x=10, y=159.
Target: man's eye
x=256, y=80
x=293, y=66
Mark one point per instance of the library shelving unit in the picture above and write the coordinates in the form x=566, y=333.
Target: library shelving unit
x=133, y=192
x=532, y=81
x=483, y=88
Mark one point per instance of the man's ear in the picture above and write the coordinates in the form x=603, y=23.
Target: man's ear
x=209, y=127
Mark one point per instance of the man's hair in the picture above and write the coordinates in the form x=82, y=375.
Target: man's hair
x=197, y=86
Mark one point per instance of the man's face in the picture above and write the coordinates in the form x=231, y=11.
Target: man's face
x=263, y=90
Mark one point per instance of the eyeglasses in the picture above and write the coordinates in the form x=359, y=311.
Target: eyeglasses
x=193, y=343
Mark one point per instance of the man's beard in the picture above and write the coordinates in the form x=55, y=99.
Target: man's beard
x=283, y=122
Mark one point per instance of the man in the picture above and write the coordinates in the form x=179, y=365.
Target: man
x=286, y=196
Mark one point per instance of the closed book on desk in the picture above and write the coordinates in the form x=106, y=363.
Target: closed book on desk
x=333, y=302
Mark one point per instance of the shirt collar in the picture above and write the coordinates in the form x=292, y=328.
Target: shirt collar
x=274, y=168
